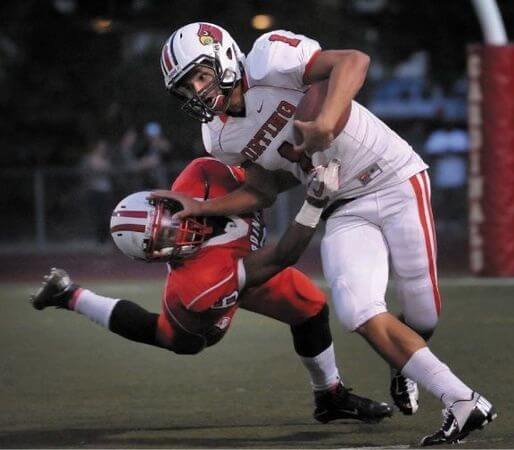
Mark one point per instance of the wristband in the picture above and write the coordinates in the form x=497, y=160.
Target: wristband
x=308, y=215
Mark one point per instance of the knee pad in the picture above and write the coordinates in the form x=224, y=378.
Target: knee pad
x=176, y=340
x=188, y=345
x=353, y=308
x=419, y=303
x=421, y=321
x=313, y=336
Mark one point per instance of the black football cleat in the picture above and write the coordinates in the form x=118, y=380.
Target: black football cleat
x=474, y=414
x=57, y=290
x=340, y=403
x=404, y=392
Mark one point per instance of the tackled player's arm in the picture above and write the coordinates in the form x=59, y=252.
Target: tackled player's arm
x=266, y=262
x=258, y=192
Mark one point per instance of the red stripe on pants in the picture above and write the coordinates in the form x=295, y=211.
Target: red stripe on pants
x=429, y=203
x=431, y=262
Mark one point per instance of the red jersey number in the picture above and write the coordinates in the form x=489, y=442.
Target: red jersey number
x=281, y=38
x=287, y=152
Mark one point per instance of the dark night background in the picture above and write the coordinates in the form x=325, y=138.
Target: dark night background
x=64, y=84
x=76, y=72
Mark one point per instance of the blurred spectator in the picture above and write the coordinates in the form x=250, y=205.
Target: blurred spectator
x=125, y=164
x=96, y=168
x=153, y=157
x=446, y=149
x=127, y=149
x=407, y=99
x=416, y=66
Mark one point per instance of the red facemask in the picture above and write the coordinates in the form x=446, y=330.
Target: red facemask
x=173, y=239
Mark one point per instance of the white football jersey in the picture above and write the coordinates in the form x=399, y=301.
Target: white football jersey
x=372, y=155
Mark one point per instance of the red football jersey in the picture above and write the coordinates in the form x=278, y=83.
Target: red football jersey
x=210, y=281
x=208, y=178
x=204, y=291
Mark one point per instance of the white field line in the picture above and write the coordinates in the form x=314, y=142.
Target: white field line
x=455, y=282
x=475, y=281
x=382, y=446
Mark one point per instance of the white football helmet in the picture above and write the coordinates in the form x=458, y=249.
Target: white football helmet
x=144, y=229
x=202, y=44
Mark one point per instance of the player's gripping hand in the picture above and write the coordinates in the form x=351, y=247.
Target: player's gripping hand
x=315, y=137
x=324, y=182
x=191, y=207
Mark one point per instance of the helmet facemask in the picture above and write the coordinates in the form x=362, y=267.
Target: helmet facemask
x=202, y=105
x=171, y=239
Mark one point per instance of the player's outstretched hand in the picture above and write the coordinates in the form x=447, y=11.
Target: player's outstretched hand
x=314, y=137
x=192, y=207
x=324, y=183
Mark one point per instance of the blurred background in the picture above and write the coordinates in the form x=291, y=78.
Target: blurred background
x=86, y=119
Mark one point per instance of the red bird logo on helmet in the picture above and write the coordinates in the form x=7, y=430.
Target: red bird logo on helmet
x=209, y=34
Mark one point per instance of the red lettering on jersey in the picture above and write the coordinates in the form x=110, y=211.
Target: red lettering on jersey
x=261, y=136
x=253, y=150
x=286, y=109
x=274, y=124
x=281, y=38
x=269, y=130
x=286, y=151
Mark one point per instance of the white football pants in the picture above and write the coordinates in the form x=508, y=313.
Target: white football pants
x=395, y=223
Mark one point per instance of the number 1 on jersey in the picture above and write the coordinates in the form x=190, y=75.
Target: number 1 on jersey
x=281, y=38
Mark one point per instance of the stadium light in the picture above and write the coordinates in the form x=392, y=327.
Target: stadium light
x=101, y=25
x=262, y=21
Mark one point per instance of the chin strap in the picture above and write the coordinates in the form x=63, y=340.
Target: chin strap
x=218, y=102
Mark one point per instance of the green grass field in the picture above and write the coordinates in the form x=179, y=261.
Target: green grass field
x=66, y=382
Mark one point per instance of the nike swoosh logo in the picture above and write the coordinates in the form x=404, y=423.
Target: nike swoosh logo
x=450, y=431
x=259, y=109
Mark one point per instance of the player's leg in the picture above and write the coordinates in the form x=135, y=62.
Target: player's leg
x=410, y=233
x=355, y=263
x=465, y=410
x=292, y=298
x=357, y=274
x=122, y=317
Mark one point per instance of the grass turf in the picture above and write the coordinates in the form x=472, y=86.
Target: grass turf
x=66, y=382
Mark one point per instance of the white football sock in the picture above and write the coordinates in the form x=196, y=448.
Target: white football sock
x=93, y=306
x=427, y=370
x=322, y=369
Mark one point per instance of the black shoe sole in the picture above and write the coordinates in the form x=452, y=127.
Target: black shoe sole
x=491, y=415
x=326, y=417
x=459, y=438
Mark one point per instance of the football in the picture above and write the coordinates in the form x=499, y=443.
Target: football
x=310, y=106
